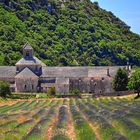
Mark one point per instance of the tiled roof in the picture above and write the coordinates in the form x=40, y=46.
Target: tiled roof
x=62, y=72
x=26, y=73
x=97, y=71
x=7, y=71
x=33, y=61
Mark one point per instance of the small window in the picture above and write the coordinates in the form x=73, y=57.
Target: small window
x=25, y=87
x=100, y=91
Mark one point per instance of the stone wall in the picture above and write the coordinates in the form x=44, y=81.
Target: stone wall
x=114, y=93
x=91, y=85
x=8, y=79
x=62, y=86
x=26, y=85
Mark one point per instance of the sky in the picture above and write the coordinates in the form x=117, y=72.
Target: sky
x=127, y=10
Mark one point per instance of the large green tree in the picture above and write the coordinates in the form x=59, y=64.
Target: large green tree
x=4, y=89
x=121, y=80
x=134, y=81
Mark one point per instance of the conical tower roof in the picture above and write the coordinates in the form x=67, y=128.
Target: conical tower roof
x=27, y=46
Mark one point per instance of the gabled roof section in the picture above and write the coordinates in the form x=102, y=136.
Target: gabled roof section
x=26, y=74
x=33, y=61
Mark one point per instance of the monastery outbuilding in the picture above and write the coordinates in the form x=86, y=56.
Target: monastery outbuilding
x=32, y=75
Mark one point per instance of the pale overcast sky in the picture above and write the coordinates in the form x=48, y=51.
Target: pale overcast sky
x=126, y=10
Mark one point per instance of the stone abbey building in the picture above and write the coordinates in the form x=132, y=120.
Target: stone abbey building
x=31, y=75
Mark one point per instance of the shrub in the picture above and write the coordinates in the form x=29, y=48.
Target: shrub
x=75, y=92
x=59, y=95
x=51, y=91
x=4, y=89
x=42, y=95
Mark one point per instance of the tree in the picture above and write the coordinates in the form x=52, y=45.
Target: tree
x=134, y=81
x=4, y=89
x=96, y=5
x=121, y=80
x=51, y=91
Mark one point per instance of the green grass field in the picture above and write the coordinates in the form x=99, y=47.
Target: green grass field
x=110, y=118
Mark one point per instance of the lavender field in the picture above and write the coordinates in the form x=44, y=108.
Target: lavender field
x=71, y=119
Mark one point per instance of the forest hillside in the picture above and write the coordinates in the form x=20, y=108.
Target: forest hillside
x=66, y=33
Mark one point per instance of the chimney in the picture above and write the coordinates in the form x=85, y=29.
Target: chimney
x=108, y=74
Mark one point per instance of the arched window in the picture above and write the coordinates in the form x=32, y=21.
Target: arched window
x=100, y=91
x=25, y=86
x=103, y=78
x=27, y=54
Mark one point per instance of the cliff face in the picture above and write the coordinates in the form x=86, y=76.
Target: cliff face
x=66, y=32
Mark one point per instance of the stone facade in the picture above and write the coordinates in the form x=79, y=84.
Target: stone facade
x=31, y=75
x=26, y=81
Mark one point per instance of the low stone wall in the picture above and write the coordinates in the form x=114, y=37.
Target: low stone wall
x=115, y=93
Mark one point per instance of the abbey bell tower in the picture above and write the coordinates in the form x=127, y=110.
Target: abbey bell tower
x=28, y=52
x=29, y=61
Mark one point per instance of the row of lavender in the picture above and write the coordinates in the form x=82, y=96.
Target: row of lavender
x=27, y=120
x=117, y=120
